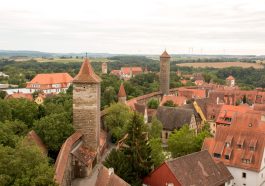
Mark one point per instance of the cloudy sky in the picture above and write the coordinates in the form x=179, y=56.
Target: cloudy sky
x=135, y=26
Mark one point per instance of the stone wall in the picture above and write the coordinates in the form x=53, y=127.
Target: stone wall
x=164, y=75
x=86, y=113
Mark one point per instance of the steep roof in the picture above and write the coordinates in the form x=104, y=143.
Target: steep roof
x=165, y=55
x=86, y=74
x=20, y=95
x=122, y=92
x=230, y=78
x=133, y=70
x=199, y=169
x=140, y=108
x=52, y=78
x=174, y=117
x=106, y=178
x=241, y=157
x=33, y=136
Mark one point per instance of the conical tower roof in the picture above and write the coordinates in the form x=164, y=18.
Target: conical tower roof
x=122, y=92
x=165, y=55
x=86, y=74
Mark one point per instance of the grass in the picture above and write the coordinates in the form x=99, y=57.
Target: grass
x=221, y=65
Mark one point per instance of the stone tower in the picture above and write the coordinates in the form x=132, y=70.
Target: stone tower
x=86, y=105
x=122, y=94
x=164, y=73
x=104, y=68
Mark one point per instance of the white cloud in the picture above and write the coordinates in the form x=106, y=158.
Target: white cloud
x=139, y=26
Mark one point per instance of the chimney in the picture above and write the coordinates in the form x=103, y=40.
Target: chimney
x=111, y=171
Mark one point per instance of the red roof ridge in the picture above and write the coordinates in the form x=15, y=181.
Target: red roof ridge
x=165, y=55
x=86, y=74
x=122, y=92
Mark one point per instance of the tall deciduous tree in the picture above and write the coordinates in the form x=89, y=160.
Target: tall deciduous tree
x=24, y=165
x=54, y=129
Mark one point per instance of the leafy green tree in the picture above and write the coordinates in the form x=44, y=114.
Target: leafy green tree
x=153, y=104
x=24, y=165
x=54, y=129
x=2, y=94
x=156, y=128
x=109, y=95
x=169, y=103
x=11, y=131
x=24, y=110
x=5, y=111
x=117, y=119
x=185, y=141
x=182, y=142
x=156, y=151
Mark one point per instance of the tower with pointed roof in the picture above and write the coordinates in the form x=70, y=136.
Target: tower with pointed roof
x=86, y=105
x=164, y=72
x=122, y=94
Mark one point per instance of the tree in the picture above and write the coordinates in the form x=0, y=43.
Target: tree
x=5, y=111
x=153, y=104
x=138, y=151
x=24, y=110
x=11, y=131
x=109, y=96
x=182, y=142
x=2, y=94
x=117, y=120
x=133, y=160
x=156, y=128
x=24, y=165
x=185, y=141
x=54, y=129
x=156, y=151
x=169, y=103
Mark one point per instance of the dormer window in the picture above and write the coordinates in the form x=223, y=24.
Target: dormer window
x=253, y=144
x=247, y=157
x=228, y=153
x=240, y=143
x=228, y=141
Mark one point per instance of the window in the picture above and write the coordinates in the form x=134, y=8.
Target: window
x=227, y=157
x=216, y=155
x=244, y=175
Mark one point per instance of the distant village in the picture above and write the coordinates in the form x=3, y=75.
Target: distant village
x=234, y=155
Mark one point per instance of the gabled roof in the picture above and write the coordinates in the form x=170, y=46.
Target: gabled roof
x=108, y=178
x=52, y=78
x=86, y=74
x=199, y=169
x=174, y=117
x=241, y=136
x=133, y=70
x=20, y=95
x=165, y=55
x=122, y=92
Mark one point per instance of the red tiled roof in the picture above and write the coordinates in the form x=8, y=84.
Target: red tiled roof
x=33, y=136
x=230, y=78
x=230, y=111
x=109, y=179
x=86, y=74
x=20, y=95
x=134, y=70
x=122, y=92
x=48, y=79
x=178, y=100
x=62, y=158
x=165, y=55
x=239, y=155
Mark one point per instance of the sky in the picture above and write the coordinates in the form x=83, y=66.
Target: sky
x=134, y=27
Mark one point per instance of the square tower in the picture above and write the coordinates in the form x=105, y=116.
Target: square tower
x=86, y=105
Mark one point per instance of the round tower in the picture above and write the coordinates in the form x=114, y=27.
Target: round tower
x=104, y=68
x=164, y=72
